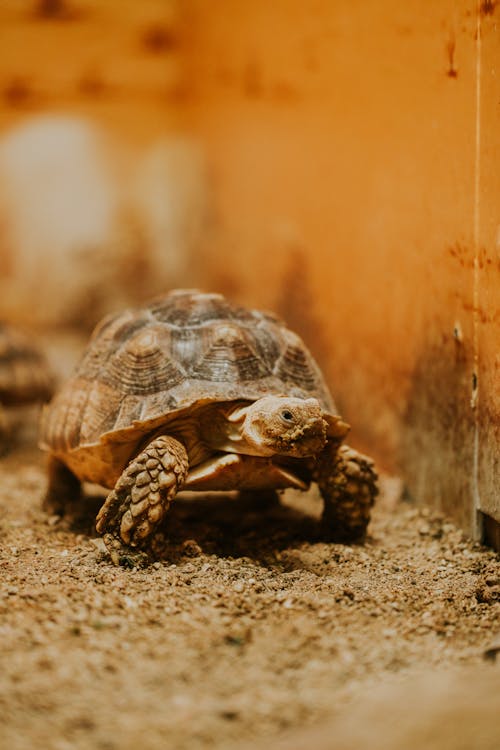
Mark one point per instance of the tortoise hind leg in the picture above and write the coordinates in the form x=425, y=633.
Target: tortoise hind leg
x=141, y=498
x=64, y=490
x=348, y=484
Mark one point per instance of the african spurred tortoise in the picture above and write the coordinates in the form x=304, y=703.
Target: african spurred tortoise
x=193, y=392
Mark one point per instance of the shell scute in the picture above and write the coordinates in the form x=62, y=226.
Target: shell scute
x=294, y=365
x=230, y=357
x=185, y=349
x=181, y=308
x=106, y=338
x=141, y=365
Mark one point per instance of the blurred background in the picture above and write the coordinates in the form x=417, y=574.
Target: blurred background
x=335, y=162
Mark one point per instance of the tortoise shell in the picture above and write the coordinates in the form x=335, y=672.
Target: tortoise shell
x=25, y=376
x=143, y=367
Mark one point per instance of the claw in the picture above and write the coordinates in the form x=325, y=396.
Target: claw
x=138, y=504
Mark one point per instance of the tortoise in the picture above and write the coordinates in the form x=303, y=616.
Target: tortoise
x=25, y=376
x=194, y=392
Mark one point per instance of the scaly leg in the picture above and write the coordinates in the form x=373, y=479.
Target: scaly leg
x=141, y=497
x=348, y=484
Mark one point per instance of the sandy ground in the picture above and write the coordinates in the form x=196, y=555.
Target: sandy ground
x=248, y=632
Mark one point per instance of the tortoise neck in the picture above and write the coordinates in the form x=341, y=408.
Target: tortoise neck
x=221, y=428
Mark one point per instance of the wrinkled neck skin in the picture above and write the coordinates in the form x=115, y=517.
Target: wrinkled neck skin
x=220, y=429
x=219, y=433
x=270, y=426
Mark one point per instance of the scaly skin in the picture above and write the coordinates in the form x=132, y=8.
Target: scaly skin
x=140, y=499
x=348, y=484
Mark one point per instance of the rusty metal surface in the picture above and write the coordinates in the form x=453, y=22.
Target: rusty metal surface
x=353, y=193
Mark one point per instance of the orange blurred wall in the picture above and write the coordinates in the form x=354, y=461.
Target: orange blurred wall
x=354, y=150
x=114, y=62
x=353, y=153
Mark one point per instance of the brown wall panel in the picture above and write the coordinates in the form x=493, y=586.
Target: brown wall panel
x=342, y=143
x=488, y=268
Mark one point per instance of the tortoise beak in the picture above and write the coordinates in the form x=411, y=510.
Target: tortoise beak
x=316, y=435
x=311, y=441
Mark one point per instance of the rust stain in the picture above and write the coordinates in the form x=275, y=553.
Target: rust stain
x=55, y=10
x=285, y=91
x=488, y=7
x=18, y=92
x=159, y=38
x=92, y=84
x=452, y=72
x=461, y=254
x=252, y=81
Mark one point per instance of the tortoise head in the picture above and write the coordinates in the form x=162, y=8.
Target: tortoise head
x=283, y=425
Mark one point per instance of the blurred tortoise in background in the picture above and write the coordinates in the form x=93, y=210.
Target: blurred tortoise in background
x=25, y=376
x=193, y=392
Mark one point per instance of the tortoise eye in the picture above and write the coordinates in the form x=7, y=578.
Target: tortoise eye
x=287, y=415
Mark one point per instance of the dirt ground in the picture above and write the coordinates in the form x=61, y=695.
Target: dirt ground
x=248, y=632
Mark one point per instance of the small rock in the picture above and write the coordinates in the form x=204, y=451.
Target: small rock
x=98, y=544
x=191, y=548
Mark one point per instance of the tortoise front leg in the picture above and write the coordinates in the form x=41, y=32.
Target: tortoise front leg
x=141, y=497
x=348, y=484
x=64, y=490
